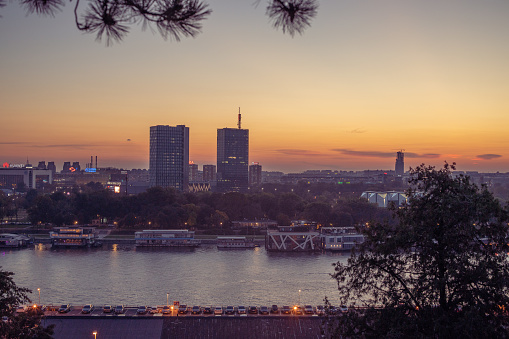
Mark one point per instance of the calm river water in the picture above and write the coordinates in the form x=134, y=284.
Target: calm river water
x=123, y=274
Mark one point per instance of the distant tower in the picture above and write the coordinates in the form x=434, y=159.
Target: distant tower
x=255, y=174
x=233, y=159
x=169, y=156
x=209, y=173
x=193, y=172
x=400, y=163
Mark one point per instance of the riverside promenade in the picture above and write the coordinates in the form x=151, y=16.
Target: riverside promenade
x=195, y=327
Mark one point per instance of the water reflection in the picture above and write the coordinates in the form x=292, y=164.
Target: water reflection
x=204, y=275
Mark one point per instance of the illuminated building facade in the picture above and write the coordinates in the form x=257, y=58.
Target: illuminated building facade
x=232, y=160
x=169, y=156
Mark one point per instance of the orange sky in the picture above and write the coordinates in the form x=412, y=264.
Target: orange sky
x=367, y=79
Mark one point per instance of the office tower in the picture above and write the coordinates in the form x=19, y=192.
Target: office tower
x=400, y=163
x=255, y=174
x=42, y=165
x=66, y=167
x=52, y=167
x=169, y=156
x=76, y=166
x=232, y=159
x=193, y=172
x=209, y=173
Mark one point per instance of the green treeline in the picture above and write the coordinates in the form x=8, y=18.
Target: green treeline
x=166, y=208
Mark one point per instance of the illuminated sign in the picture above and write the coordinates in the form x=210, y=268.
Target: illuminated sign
x=6, y=164
x=72, y=169
x=90, y=170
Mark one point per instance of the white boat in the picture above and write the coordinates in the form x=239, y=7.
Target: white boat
x=14, y=240
x=235, y=242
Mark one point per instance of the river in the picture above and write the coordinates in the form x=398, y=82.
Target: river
x=124, y=274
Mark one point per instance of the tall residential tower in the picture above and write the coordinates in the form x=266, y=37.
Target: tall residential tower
x=400, y=164
x=232, y=159
x=169, y=156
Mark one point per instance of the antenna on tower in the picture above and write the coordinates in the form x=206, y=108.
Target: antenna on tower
x=238, y=123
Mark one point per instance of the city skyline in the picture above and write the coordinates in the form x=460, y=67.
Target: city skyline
x=366, y=80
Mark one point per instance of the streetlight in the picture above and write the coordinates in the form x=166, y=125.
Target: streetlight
x=167, y=295
x=95, y=334
x=39, y=295
x=299, y=297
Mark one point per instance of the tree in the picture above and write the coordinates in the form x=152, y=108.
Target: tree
x=441, y=271
x=174, y=19
x=24, y=325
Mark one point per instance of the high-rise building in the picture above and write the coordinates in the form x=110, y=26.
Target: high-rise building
x=169, y=156
x=232, y=159
x=76, y=166
x=255, y=174
x=400, y=163
x=209, y=173
x=42, y=165
x=194, y=174
x=52, y=167
x=66, y=167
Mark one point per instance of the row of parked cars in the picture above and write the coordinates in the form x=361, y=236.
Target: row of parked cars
x=217, y=310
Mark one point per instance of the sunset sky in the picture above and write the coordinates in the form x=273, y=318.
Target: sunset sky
x=368, y=78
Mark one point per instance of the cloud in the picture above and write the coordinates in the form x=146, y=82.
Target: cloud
x=489, y=156
x=301, y=152
x=371, y=154
x=378, y=154
x=13, y=143
x=357, y=130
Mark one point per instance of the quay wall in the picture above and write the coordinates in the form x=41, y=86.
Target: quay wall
x=196, y=327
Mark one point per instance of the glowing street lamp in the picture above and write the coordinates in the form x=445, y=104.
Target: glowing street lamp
x=167, y=295
x=39, y=290
x=299, y=297
x=95, y=334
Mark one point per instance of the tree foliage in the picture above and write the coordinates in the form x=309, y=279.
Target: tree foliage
x=111, y=20
x=442, y=271
x=24, y=325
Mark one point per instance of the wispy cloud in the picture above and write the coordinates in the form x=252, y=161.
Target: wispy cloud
x=13, y=143
x=378, y=154
x=357, y=131
x=301, y=152
x=488, y=156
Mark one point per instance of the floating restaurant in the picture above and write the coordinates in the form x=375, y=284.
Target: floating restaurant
x=235, y=242
x=340, y=238
x=72, y=237
x=166, y=238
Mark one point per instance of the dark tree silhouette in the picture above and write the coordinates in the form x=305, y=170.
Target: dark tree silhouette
x=175, y=19
x=441, y=272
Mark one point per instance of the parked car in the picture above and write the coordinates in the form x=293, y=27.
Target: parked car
x=87, y=309
x=208, y=310
x=252, y=310
x=119, y=309
x=333, y=310
x=166, y=309
x=196, y=310
x=343, y=308
x=218, y=310
x=142, y=310
x=229, y=310
x=107, y=309
x=286, y=310
x=182, y=309
x=40, y=307
x=241, y=310
x=264, y=310
x=64, y=308
x=274, y=309
x=153, y=310
x=320, y=310
x=308, y=309
x=297, y=310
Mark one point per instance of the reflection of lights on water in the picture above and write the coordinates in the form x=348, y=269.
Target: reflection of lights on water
x=40, y=247
x=114, y=248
